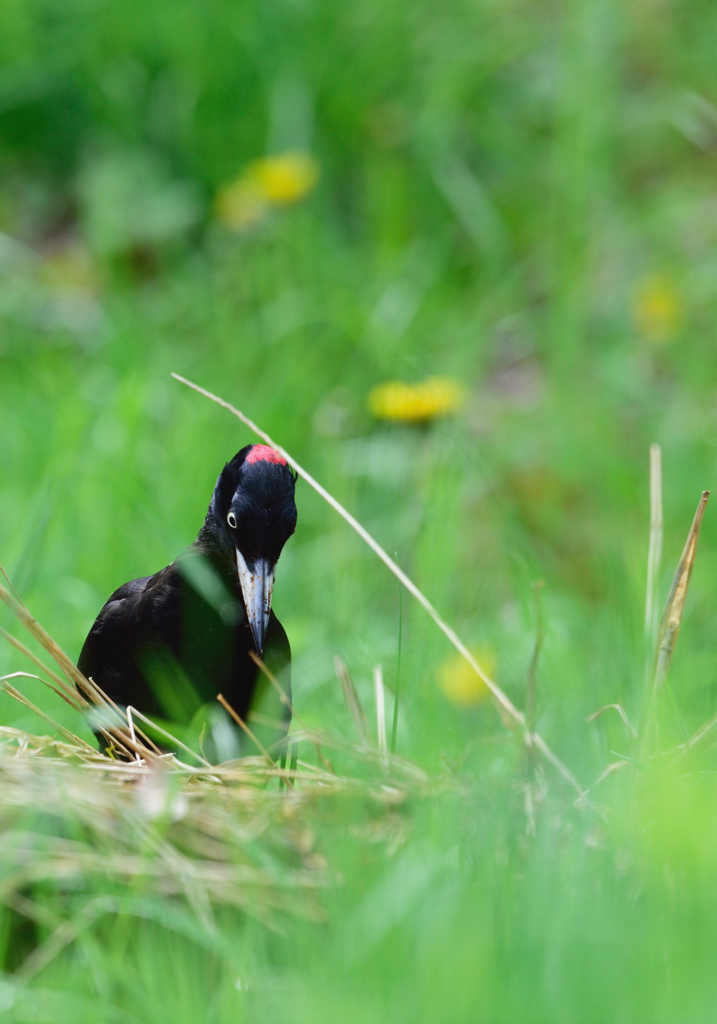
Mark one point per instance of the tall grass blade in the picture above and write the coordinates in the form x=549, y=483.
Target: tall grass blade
x=510, y=715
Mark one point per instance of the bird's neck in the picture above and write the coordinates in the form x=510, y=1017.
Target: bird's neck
x=213, y=545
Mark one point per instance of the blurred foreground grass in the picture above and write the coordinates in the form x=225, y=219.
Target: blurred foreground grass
x=518, y=197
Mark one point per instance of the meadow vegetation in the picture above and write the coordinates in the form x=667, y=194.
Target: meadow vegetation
x=307, y=206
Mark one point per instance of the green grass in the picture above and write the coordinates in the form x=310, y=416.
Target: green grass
x=498, y=182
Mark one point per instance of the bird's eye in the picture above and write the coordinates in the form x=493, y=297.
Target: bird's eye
x=232, y=520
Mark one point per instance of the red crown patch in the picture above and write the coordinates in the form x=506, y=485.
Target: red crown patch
x=263, y=453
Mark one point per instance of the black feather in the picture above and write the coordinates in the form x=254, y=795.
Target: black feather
x=169, y=643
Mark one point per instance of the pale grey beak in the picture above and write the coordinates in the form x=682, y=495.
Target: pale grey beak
x=257, y=584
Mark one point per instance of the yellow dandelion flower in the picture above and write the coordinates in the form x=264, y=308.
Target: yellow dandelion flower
x=272, y=181
x=284, y=179
x=657, y=308
x=429, y=399
x=460, y=683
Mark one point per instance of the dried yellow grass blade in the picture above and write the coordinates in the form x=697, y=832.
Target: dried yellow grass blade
x=352, y=700
x=675, y=605
x=45, y=640
x=703, y=739
x=87, y=692
x=510, y=715
x=16, y=695
x=621, y=712
x=70, y=696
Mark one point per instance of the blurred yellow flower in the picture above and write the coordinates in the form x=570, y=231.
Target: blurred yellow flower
x=285, y=179
x=460, y=683
x=657, y=308
x=272, y=181
x=429, y=399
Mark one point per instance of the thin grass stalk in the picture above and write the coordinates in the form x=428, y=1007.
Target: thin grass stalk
x=16, y=695
x=352, y=700
x=75, y=701
x=170, y=737
x=242, y=725
x=380, y=713
x=86, y=692
x=12, y=588
x=287, y=704
x=71, y=695
x=654, y=560
x=44, y=639
x=698, y=740
x=394, y=727
x=105, y=701
x=533, y=667
x=510, y=715
x=654, y=554
x=621, y=712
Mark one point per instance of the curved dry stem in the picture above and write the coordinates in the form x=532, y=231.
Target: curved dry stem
x=510, y=715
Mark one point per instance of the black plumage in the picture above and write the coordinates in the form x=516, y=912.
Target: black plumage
x=167, y=644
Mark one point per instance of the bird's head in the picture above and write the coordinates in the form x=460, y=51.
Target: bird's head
x=251, y=516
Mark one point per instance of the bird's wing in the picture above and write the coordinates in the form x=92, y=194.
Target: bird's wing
x=139, y=611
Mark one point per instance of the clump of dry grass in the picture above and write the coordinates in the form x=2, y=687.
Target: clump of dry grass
x=136, y=823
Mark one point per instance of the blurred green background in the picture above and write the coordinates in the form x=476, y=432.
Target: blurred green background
x=519, y=196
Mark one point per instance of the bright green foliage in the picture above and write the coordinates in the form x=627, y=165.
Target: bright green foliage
x=516, y=195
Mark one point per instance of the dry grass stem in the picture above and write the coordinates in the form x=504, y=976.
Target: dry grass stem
x=667, y=634
x=12, y=588
x=380, y=712
x=16, y=695
x=703, y=739
x=71, y=696
x=675, y=604
x=287, y=704
x=352, y=701
x=167, y=735
x=35, y=629
x=621, y=712
x=242, y=725
x=510, y=715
